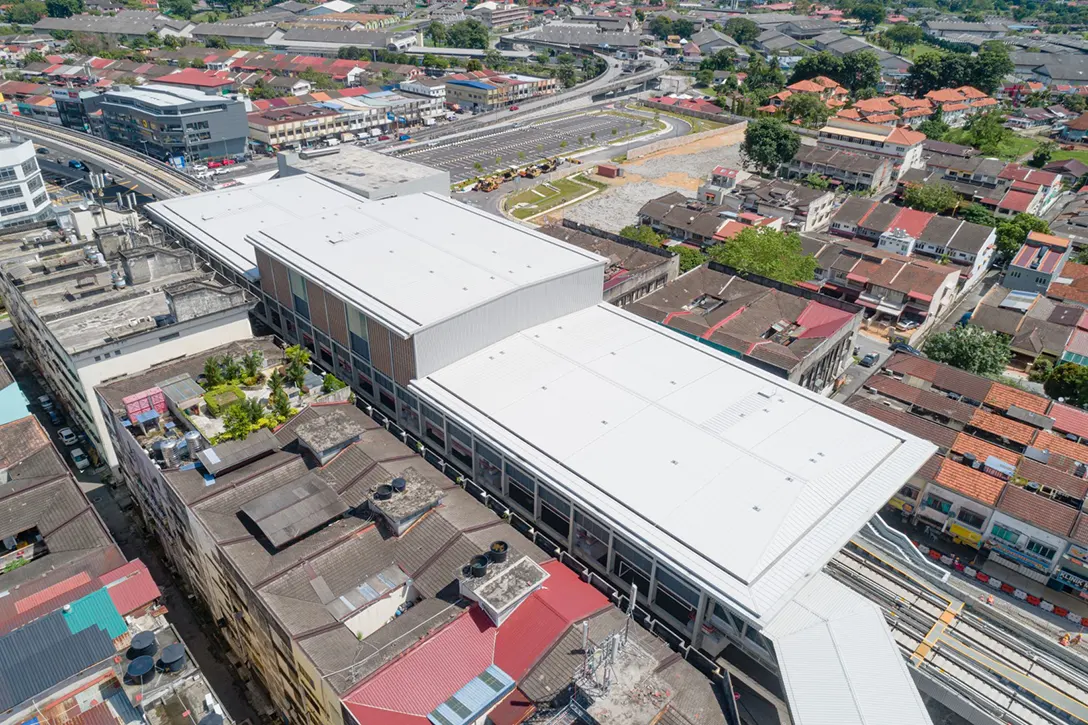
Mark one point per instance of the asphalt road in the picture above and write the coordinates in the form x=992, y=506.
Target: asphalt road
x=499, y=149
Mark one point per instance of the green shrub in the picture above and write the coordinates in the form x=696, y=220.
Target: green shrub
x=331, y=383
x=222, y=397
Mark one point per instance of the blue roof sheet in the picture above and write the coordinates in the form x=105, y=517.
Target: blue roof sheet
x=474, y=84
x=469, y=704
x=35, y=658
x=13, y=404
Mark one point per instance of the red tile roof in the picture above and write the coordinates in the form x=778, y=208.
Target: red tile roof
x=50, y=593
x=1079, y=534
x=1002, y=426
x=1058, y=444
x=1052, y=477
x=941, y=376
x=1017, y=201
x=965, y=480
x=912, y=221
x=131, y=587
x=966, y=443
x=1057, y=518
x=196, y=77
x=1002, y=396
x=1068, y=419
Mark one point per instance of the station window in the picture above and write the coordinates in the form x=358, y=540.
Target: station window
x=591, y=538
x=298, y=292
x=1006, y=534
x=409, y=410
x=460, y=446
x=554, y=511
x=488, y=469
x=386, y=391
x=357, y=331
x=676, y=597
x=1041, y=549
x=520, y=486
x=631, y=565
x=434, y=427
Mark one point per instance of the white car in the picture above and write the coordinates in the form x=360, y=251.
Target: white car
x=67, y=437
x=46, y=402
x=79, y=458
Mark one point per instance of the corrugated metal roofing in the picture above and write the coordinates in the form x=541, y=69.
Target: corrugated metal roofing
x=131, y=587
x=95, y=610
x=41, y=654
x=473, y=700
x=839, y=663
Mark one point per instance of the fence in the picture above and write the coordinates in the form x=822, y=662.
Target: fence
x=669, y=143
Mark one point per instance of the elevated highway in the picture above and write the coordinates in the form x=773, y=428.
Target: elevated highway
x=157, y=178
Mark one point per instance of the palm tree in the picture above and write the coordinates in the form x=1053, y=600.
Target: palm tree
x=213, y=374
x=498, y=160
x=251, y=363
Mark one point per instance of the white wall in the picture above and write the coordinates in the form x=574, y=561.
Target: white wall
x=959, y=501
x=145, y=351
x=1028, y=531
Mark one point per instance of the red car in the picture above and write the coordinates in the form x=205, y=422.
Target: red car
x=229, y=162
x=513, y=108
x=384, y=138
x=214, y=164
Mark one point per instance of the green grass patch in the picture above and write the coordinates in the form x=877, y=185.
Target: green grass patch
x=1011, y=149
x=1060, y=155
x=698, y=125
x=548, y=196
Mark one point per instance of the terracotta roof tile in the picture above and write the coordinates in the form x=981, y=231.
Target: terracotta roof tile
x=1002, y=396
x=966, y=443
x=1031, y=508
x=965, y=480
x=933, y=432
x=1068, y=419
x=1001, y=426
x=925, y=399
x=1079, y=534
x=1057, y=444
x=1051, y=477
x=941, y=376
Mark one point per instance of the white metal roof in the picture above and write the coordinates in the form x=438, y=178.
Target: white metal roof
x=414, y=261
x=221, y=220
x=839, y=663
x=741, y=481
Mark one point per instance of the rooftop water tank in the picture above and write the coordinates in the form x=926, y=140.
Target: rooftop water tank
x=194, y=442
x=173, y=658
x=143, y=645
x=170, y=456
x=141, y=670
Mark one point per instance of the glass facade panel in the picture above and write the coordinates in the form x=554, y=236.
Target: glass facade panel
x=357, y=331
x=460, y=446
x=488, y=470
x=554, y=511
x=298, y=292
x=409, y=410
x=434, y=427
x=521, y=487
x=629, y=564
x=591, y=538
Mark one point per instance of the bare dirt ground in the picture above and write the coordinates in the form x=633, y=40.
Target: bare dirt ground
x=680, y=169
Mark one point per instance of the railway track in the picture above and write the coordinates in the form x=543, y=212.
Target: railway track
x=992, y=668
x=165, y=181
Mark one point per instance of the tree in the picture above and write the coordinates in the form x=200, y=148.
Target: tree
x=808, y=107
x=213, y=374
x=742, y=30
x=435, y=61
x=860, y=70
x=281, y=404
x=251, y=363
x=26, y=13
x=802, y=7
x=766, y=252
x=317, y=79
x=180, y=8
x=904, y=34
x=762, y=74
x=870, y=14
x=987, y=132
x=936, y=197
x=970, y=348
x=298, y=361
x=473, y=65
x=689, y=258
x=990, y=66
x=469, y=33
x=683, y=27
x=331, y=383
x=660, y=27
x=977, y=214
x=812, y=65
x=436, y=32
x=236, y=423
x=926, y=74
x=566, y=75
x=934, y=129
x=493, y=59
x=643, y=234
x=1068, y=381
x=704, y=78
x=261, y=90
x=64, y=8
x=1043, y=154
x=232, y=370
x=1012, y=233
x=816, y=181
x=724, y=59
x=214, y=41
x=768, y=143
x=33, y=56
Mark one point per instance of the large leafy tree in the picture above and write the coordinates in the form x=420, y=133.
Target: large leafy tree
x=977, y=214
x=984, y=71
x=763, y=75
x=970, y=348
x=469, y=33
x=26, y=13
x=1068, y=381
x=990, y=66
x=934, y=129
x=768, y=143
x=987, y=132
x=870, y=14
x=861, y=70
x=817, y=64
x=935, y=197
x=661, y=27
x=724, y=59
x=64, y=8
x=1012, y=233
x=904, y=34
x=767, y=252
x=742, y=30
x=643, y=234
x=808, y=107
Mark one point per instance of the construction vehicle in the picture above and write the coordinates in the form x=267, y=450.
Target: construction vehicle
x=530, y=172
x=488, y=184
x=509, y=174
x=549, y=165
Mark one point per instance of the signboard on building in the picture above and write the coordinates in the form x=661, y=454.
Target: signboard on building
x=1021, y=557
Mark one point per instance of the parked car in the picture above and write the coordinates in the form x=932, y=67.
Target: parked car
x=904, y=347
x=907, y=324
x=46, y=402
x=55, y=417
x=67, y=437
x=513, y=108
x=214, y=164
x=229, y=162
x=80, y=459
x=870, y=360
x=384, y=138
x=42, y=150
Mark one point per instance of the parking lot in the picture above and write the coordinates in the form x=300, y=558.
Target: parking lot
x=499, y=149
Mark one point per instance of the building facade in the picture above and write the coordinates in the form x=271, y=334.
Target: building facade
x=23, y=198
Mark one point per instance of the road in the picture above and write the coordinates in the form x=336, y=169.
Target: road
x=856, y=373
x=115, y=508
x=500, y=149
